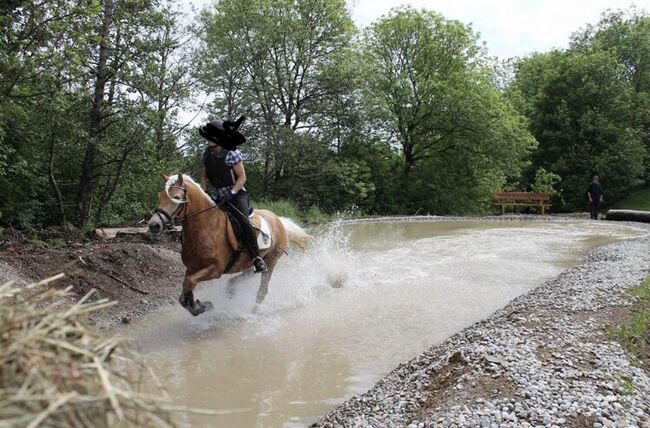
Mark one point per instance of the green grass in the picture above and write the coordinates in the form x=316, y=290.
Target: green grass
x=633, y=333
x=284, y=208
x=636, y=201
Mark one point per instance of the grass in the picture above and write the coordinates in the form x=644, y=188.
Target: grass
x=634, y=333
x=284, y=208
x=639, y=200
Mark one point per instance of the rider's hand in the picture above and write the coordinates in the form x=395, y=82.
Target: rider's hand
x=227, y=196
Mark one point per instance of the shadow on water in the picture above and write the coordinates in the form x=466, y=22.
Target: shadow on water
x=403, y=286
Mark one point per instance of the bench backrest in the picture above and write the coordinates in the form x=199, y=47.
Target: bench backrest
x=522, y=196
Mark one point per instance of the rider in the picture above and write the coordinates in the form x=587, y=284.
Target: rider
x=223, y=167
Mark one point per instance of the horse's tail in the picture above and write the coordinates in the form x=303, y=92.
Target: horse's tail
x=296, y=234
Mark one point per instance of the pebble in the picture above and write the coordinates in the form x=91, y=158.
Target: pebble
x=543, y=352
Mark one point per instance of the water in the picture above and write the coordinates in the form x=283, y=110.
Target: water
x=404, y=286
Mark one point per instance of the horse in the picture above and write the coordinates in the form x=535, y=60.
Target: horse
x=210, y=246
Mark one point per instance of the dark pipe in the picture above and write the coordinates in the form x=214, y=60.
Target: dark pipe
x=629, y=215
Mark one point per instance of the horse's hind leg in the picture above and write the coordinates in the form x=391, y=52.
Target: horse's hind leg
x=235, y=280
x=266, y=277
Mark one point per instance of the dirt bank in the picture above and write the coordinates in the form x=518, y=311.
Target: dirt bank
x=141, y=272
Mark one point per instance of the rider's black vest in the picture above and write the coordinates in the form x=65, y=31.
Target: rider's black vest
x=219, y=174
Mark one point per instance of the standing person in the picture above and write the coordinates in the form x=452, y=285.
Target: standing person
x=595, y=193
x=223, y=167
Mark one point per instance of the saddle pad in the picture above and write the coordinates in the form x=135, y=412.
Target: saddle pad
x=263, y=237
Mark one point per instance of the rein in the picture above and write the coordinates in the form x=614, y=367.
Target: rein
x=168, y=218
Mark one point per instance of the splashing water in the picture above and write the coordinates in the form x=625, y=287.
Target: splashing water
x=366, y=296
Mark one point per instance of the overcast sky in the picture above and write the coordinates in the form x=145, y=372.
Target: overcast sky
x=509, y=27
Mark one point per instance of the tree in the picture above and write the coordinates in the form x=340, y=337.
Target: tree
x=88, y=97
x=437, y=101
x=286, y=65
x=626, y=36
x=41, y=51
x=579, y=107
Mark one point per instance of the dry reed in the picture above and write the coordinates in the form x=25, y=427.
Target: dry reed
x=56, y=372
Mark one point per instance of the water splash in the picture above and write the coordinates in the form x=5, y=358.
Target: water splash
x=406, y=286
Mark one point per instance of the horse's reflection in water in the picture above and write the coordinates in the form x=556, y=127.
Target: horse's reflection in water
x=210, y=246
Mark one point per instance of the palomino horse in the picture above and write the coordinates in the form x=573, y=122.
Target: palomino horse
x=210, y=246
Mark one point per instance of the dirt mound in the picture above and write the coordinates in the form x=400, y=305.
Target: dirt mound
x=141, y=273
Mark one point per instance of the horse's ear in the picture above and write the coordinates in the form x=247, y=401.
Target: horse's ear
x=180, y=178
x=164, y=177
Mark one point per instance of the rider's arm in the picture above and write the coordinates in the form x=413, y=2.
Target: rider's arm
x=204, y=178
x=241, y=177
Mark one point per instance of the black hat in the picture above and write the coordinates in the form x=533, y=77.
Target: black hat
x=224, y=133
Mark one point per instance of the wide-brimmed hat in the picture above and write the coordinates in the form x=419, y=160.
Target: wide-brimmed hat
x=224, y=133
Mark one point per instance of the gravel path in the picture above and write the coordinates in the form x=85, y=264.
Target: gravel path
x=544, y=360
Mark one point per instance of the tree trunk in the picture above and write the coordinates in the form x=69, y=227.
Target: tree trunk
x=53, y=183
x=87, y=181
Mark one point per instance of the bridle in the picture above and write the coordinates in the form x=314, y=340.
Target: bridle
x=167, y=218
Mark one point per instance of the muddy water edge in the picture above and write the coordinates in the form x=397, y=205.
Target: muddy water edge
x=404, y=286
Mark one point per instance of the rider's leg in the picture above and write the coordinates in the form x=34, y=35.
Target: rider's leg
x=240, y=208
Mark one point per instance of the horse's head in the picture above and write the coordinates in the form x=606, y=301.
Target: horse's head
x=171, y=201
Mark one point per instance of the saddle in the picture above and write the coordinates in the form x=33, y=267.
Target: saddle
x=262, y=231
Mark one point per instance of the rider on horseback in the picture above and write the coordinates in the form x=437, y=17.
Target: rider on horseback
x=223, y=168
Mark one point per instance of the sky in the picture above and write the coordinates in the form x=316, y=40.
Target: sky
x=509, y=27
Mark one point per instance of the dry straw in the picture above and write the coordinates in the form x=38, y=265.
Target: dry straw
x=56, y=372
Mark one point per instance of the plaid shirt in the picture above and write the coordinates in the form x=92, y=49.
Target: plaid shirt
x=233, y=157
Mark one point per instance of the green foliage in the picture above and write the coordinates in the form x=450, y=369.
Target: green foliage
x=285, y=208
x=546, y=182
x=88, y=99
x=587, y=106
x=282, y=208
x=409, y=116
x=432, y=90
x=288, y=66
x=634, y=332
x=316, y=215
x=639, y=200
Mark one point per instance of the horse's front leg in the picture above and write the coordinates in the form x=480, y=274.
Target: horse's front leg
x=196, y=307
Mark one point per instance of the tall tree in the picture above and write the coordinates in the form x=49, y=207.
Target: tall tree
x=285, y=64
x=41, y=50
x=437, y=102
x=586, y=108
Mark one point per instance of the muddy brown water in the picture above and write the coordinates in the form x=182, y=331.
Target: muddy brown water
x=404, y=286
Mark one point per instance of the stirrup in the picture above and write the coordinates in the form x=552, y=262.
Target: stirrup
x=259, y=264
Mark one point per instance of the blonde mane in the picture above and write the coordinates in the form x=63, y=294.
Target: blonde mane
x=186, y=178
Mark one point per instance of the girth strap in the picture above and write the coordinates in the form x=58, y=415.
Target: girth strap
x=233, y=258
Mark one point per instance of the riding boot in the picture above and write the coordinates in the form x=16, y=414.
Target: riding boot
x=240, y=208
x=259, y=264
x=251, y=242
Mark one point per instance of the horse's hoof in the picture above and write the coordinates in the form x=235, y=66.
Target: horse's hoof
x=199, y=307
x=207, y=306
x=230, y=291
x=255, y=310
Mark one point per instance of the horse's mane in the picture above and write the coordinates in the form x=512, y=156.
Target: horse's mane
x=186, y=178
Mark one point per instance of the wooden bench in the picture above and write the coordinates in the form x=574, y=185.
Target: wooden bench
x=522, y=199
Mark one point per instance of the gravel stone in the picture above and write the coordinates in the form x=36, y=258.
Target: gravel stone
x=542, y=360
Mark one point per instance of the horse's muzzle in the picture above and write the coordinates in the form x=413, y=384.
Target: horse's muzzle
x=155, y=225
